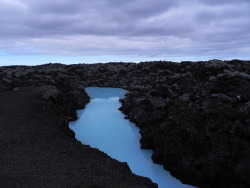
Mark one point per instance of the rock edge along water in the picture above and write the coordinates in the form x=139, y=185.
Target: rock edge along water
x=194, y=115
x=101, y=125
x=37, y=148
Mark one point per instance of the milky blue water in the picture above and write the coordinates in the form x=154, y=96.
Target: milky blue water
x=101, y=125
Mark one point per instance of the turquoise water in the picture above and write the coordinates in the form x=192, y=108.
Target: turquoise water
x=101, y=125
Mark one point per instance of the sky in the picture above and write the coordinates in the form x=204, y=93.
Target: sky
x=92, y=31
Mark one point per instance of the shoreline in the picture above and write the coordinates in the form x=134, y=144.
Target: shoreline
x=37, y=149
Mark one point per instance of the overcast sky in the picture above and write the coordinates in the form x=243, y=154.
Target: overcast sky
x=123, y=30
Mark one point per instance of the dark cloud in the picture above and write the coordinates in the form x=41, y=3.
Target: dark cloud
x=111, y=27
x=223, y=2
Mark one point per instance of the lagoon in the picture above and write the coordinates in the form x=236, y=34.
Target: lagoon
x=101, y=125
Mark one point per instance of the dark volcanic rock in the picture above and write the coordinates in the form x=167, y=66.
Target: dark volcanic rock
x=201, y=135
x=36, y=152
x=194, y=115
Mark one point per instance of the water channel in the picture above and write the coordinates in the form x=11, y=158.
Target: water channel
x=101, y=125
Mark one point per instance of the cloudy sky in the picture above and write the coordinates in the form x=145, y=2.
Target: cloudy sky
x=74, y=31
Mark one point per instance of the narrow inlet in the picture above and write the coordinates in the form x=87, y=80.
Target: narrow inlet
x=101, y=125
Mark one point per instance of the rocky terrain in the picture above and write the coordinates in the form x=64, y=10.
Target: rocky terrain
x=195, y=116
x=37, y=147
x=36, y=152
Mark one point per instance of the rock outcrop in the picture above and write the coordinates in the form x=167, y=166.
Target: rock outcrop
x=197, y=122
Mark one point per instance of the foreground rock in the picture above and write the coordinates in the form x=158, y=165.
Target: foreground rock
x=195, y=116
x=36, y=152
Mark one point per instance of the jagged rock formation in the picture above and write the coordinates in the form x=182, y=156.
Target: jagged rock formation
x=196, y=118
x=194, y=115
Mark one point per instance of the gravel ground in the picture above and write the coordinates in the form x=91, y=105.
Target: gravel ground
x=36, y=153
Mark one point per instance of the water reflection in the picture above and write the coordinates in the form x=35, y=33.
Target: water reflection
x=101, y=125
